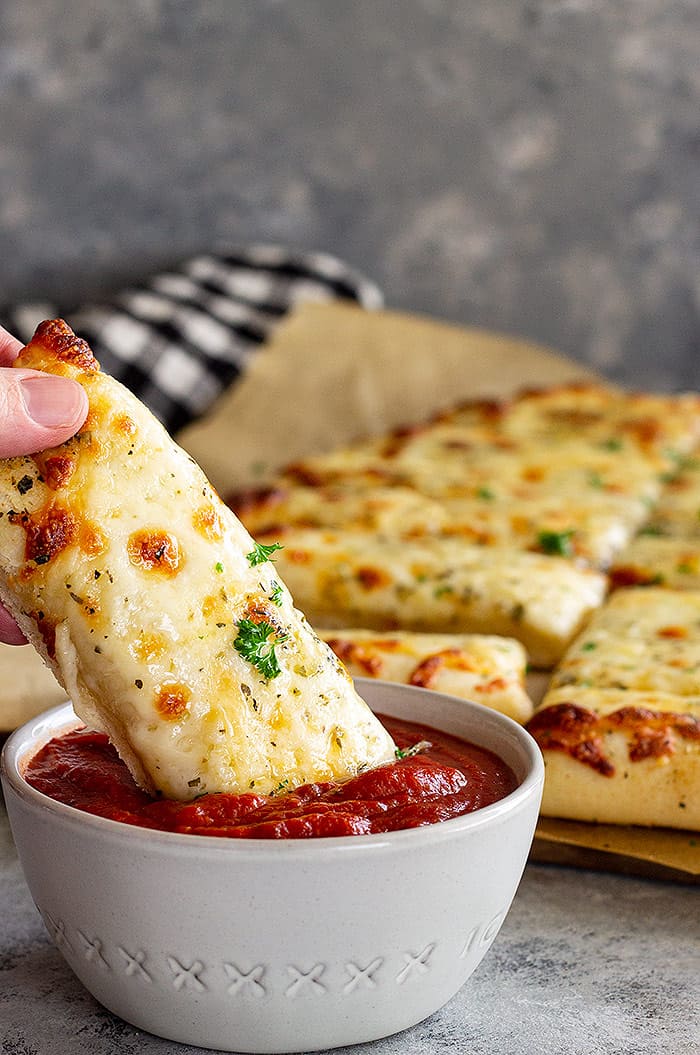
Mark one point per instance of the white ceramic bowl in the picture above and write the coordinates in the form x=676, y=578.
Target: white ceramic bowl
x=278, y=946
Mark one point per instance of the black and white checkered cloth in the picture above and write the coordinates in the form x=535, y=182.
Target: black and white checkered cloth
x=185, y=335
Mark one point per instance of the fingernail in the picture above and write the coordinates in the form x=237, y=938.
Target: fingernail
x=53, y=402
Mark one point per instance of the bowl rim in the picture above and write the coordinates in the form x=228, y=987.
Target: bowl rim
x=61, y=718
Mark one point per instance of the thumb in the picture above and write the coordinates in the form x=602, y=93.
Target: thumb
x=37, y=410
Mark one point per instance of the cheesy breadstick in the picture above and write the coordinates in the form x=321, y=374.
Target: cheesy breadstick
x=166, y=624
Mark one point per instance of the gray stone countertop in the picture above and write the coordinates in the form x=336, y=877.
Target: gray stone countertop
x=586, y=963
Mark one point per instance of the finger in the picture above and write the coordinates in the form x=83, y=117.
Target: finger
x=9, y=347
x=10, y=633
x=37, y=410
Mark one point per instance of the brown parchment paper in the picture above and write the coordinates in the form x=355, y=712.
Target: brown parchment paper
x=334, y=373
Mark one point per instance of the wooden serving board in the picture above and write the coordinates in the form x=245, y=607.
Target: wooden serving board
x=334, y=373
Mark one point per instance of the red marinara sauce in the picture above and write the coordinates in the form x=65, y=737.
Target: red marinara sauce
x=445, y=780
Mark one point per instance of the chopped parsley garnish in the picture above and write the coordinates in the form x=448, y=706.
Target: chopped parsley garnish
x=684, y=462
x=256, y=642
x=276, y=595
x=595, y=480
x=555, y=543
x=486, y=493
x=218, y=567
x=612, y=444
x=261, y=553
x=589, y=646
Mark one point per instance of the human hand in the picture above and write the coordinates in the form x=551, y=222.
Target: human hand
x=36, y=411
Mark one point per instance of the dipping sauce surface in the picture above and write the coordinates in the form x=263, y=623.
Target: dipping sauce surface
x=449, y=778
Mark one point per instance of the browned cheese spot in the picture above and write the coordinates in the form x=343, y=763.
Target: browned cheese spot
x=399, y=439
x=298, y=556
x=56, y=337
x=155, y=550
x=573, y=730
x=48, y=531
x=207, y=522
x=533, y=473
x=494, y=685
x=578, y=732
x=673, y=631
x=55, y=469
x=363, y=656
x=302, y=474
x=258, y=613
x=372, y=578
x=255, y=500
x=644, y=430
x=171, y=701
x=428, y=669
x=93, y=419
x=575, y=417
x=91, y=539
x=126, y=425
x=628, y=575
x=148, y=646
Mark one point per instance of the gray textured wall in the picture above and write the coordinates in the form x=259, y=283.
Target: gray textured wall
x=527, y=166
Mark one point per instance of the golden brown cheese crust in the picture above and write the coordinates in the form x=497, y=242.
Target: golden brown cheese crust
x=55, y=345
x=572, y=471
x=581, y=733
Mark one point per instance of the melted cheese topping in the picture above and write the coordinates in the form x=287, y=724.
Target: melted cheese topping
x=439, y=585
x=593, y=528
x=397, y=511
x=646, y=640
x=146, y=596
x=580, y=462
x=489, y=670
x=655, y=425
